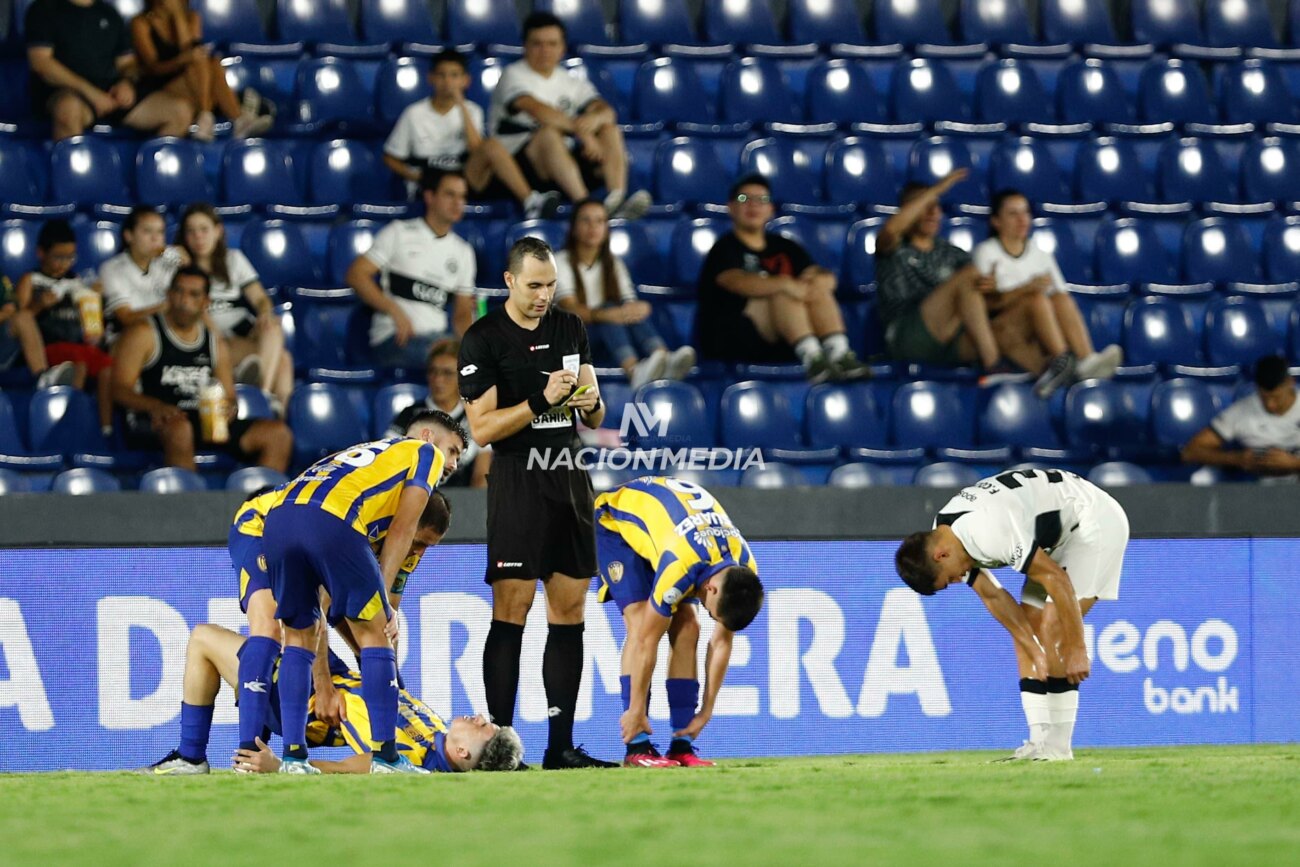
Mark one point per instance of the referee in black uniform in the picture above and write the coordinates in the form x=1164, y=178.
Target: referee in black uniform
x=518, y=365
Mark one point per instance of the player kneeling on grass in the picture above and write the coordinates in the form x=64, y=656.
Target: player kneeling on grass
x=470, y=743
x=1068, y=538
x=665, y=545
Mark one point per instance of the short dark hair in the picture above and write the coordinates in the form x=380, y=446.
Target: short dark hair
x=913, y=564
x=437, y=513
x=538, y=20
x=1000, y=198
x=55, y=232
x=1270, y=372
x=450, y=55
x=432, y=177
x=525, y=247
x=910, y=191
x=442, y=419
x=138, y=213
x=191, y=271
x=753, y=178
x=741, y=599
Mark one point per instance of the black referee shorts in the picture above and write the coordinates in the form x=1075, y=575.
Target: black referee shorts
x=539, y=521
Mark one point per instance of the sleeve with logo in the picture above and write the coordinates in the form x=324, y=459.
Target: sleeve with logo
x=383, y=249
x=478, y=363
x=674, y=582
x=426, y=470
x=996, y=535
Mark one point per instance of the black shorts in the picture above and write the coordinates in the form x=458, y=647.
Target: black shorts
x=738, y=340
x=593, y=175
x=539, y=521
x=140, y=435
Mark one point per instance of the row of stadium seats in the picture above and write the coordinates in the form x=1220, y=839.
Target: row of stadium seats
x=1226, y=23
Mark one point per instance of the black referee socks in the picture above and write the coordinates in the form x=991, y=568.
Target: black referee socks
x=505, y=641
x=562, y=676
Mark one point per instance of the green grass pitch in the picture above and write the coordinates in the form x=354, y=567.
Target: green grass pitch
x=1170, y=806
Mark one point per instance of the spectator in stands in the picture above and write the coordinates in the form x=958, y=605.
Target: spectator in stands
x=20, y=335
x=1015, y=272
x=445, y=131
x=68, y=316
x=421, y=264
x=761, y=296
x=135, y=281
x=161, y=367
x=1259, y=434
x=84, y=72
x=557, y=126
x=168, y=39
x=238, y=306
x=444, y=394
x=595, y=284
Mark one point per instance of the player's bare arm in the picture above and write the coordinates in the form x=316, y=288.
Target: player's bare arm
x=330, y=706
x=747, y=285
x=401, y=533
x=129, y=357
x=546, y=115
x=897, y=226
x=1074, y=654
x=648, y=627
x=1004, y=608
x=489, y=424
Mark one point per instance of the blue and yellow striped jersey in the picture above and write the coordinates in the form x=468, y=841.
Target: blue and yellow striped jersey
x=420, y=731
x=678, y=527
x=363, y=485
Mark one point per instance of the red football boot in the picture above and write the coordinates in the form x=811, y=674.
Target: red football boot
x=648, y=760
x=688, y=758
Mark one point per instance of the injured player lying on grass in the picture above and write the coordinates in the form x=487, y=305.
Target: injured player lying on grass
x=469, y=743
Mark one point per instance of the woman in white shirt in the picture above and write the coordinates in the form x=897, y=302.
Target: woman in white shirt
x=1015, y=270
x=595, y=284
x=238, y=305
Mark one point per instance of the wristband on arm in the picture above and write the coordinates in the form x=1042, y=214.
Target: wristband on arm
x=538, y=403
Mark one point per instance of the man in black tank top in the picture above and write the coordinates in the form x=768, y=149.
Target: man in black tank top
x=518, y=365
x=161, y=366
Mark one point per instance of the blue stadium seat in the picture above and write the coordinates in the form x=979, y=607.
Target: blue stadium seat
x=1056, y=237
x=323, y=420
x=755, y=415
x=1159, y=330
x=771, y=476
x=860, y=253
x=1014, y=416
x=484, y=23
x=552, y=232
x=584, y=20
x=778, y=161
x=227, y=21
x=14, y=454
x=1166, y=22
x=315, y=21
x=754, y=90
x=998, y=23
x=63, y=420
x=931, y=415
x=322, y=321
x=397, y=21
x=1180, y=408
x=392, y=399
x=1128, y=251
x=250, y=479
x=925, y=90
x=348, y=241
x=345, y=172
x=1118, y=474
x=278, y=252
x=945, y=474
x=825, y=22
x=740, y=21
x=1009, y=91
x=1076, y=21
x=668, y=89
x=1026, y=164
x=1096, y=416
x=840, y=91
x=1216, y=249
x=1238, y=331
x=251, y=402
x=12, y=483
x=933, y=158
x=692, y=241
x=859, y=475
x=1270, y=170
x=88, y=171
x=910, y=22
x=259, y=172
x=688, y=170
x=1174, y=90
x=657, y=22
x=97, y=242
x=1090, y=90
x=1254, y=91
x=837, y=416
x=1238, y=24
x=1281, y=250
x=18, y=247
x=1107, y=170
x=684, y=406
x=171, y=480
x=858, y=171
x=399, y=82
x=1190, y=170
x=85, y=480
x=169, y=171
x=23, y=176
x=332, y=93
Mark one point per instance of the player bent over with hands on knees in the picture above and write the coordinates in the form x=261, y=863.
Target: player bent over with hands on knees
x=666, y=545
x=469, y=743
x=1068, y=538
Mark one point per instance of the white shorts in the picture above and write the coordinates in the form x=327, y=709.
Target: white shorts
x=1093, y=556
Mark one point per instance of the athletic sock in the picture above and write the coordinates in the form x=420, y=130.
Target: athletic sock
x=1063, y=708
x=836, y=346
x=1033, y=698
x=295, y=690
x=683, y=696
x=561, y=677
x=642, y=740
x=196, y=725
x=505, y=641
x=256, y=662
x=379, y=689
x=807, y=348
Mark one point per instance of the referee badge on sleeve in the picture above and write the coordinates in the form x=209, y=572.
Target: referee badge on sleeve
x=615, y=572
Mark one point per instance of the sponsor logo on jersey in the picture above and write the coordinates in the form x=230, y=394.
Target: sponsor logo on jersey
x=539, y=346
x=469, y=370
x=186, y=378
